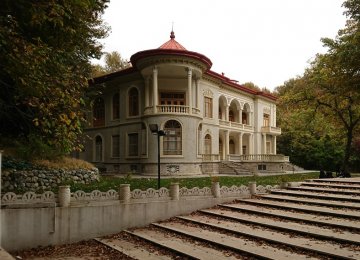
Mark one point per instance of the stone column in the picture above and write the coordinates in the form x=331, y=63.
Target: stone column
x=64, y=196
x=264, y=143
x=227, y=150
x=274, y=137
x=227, y=112
x=251, y=144
x=252, y=187
x=215, y=189
x=189, y=77
x=197, y=92
x=240, y=116
x=147, y=86
x=124, y=193
x=240, y=143
x=155, y=88
x=174, y=191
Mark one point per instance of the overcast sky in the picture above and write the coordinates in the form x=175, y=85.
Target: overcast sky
x=263, y=41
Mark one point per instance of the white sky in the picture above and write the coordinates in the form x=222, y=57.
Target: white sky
x=263, y=41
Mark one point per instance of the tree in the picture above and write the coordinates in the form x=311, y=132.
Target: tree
x=330, y=87
x=113, y=62
x=45, y=48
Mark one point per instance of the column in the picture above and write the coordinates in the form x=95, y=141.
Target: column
x=227, y=112
x=274, y=144
x=197, y=92
x=251, y=145
x=226, y=144
x=240, y=116
x=189, y=76
x=155, y=88
x=264, y=143
x=147, y=85
x=240, y=143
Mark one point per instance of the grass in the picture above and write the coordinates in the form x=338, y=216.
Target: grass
x=64, y=163
x=108, y=182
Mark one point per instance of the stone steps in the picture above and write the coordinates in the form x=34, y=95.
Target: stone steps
x=312, y=222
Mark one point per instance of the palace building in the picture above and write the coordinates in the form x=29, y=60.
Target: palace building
x=204, y=122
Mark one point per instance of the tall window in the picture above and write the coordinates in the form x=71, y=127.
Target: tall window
x=175, y=99
x=133, y=102
x=116, y=106
x=231, y=147
x=244, y=116
x=99, y=112
x=98, y=149
x=115, y=146
x=172, y=143
x=207, y=144
x=266, y=121
x=208, y=107
x=220, y=113
x=231, y=116
x=133, y=141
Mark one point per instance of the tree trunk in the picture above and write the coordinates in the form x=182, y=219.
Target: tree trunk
x=349, y=137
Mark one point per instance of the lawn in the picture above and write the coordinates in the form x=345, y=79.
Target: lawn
x=112, y=182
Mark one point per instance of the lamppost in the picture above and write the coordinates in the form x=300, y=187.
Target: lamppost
x=154, y=128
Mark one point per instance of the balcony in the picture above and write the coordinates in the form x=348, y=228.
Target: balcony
x=235, y=125
x=171, y=109
x=271, y=130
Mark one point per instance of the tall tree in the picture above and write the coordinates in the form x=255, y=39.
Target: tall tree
x=332, y=83
x=45, y=48
x=113, y=62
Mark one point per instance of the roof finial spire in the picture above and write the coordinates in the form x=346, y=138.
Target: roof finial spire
x=172, y=34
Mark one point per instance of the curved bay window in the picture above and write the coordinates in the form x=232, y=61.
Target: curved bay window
x=133, y=102
x=116, y=106
x=172, y=141
x=99, y=112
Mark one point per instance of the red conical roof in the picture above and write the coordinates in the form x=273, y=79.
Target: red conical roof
x=172, y=44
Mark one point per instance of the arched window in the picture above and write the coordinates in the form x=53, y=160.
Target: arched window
x=172, y=142
x=133, y=102
x=220, y=113
x=98, y=149
x=116, y=106
x=99, y=112
x=207, y=144
x=231, y=116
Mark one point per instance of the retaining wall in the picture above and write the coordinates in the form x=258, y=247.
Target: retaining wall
x=32, y=220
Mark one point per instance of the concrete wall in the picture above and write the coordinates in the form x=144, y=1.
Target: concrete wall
x=30, y=226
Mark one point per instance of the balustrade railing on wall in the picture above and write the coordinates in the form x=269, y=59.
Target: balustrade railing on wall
x=173, y=109
x=260, y=157
x=150, y=194
x=235, y=125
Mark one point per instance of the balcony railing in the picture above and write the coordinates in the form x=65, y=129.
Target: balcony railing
x=235, y=125
x=271, y=130
x=171, y=109
x=258, y=158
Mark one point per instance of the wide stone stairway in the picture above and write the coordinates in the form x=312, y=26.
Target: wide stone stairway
x=320, y=219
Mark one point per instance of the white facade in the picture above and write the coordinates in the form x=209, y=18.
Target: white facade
x=207, y=117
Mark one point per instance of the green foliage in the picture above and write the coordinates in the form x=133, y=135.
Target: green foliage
x=320, y=111
x=9, y=162
x=45, y=47
x=113, y=62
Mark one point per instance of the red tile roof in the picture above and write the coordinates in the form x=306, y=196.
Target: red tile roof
x=172, y=44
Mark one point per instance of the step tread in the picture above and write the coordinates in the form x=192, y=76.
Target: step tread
x=316, y=245
x=336, y=185
x=318, y=195
x=322, y=220
x=189, y=248
x=131, y=249
x=334, y=203
x=296, y=206
x=277, y=223
x=245, y=245
x=318, y=189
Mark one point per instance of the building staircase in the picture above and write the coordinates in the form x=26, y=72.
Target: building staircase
x=234, y=168
x=318, y=219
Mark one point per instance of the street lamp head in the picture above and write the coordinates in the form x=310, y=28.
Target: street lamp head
x=154, y=128
x=161, y=133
